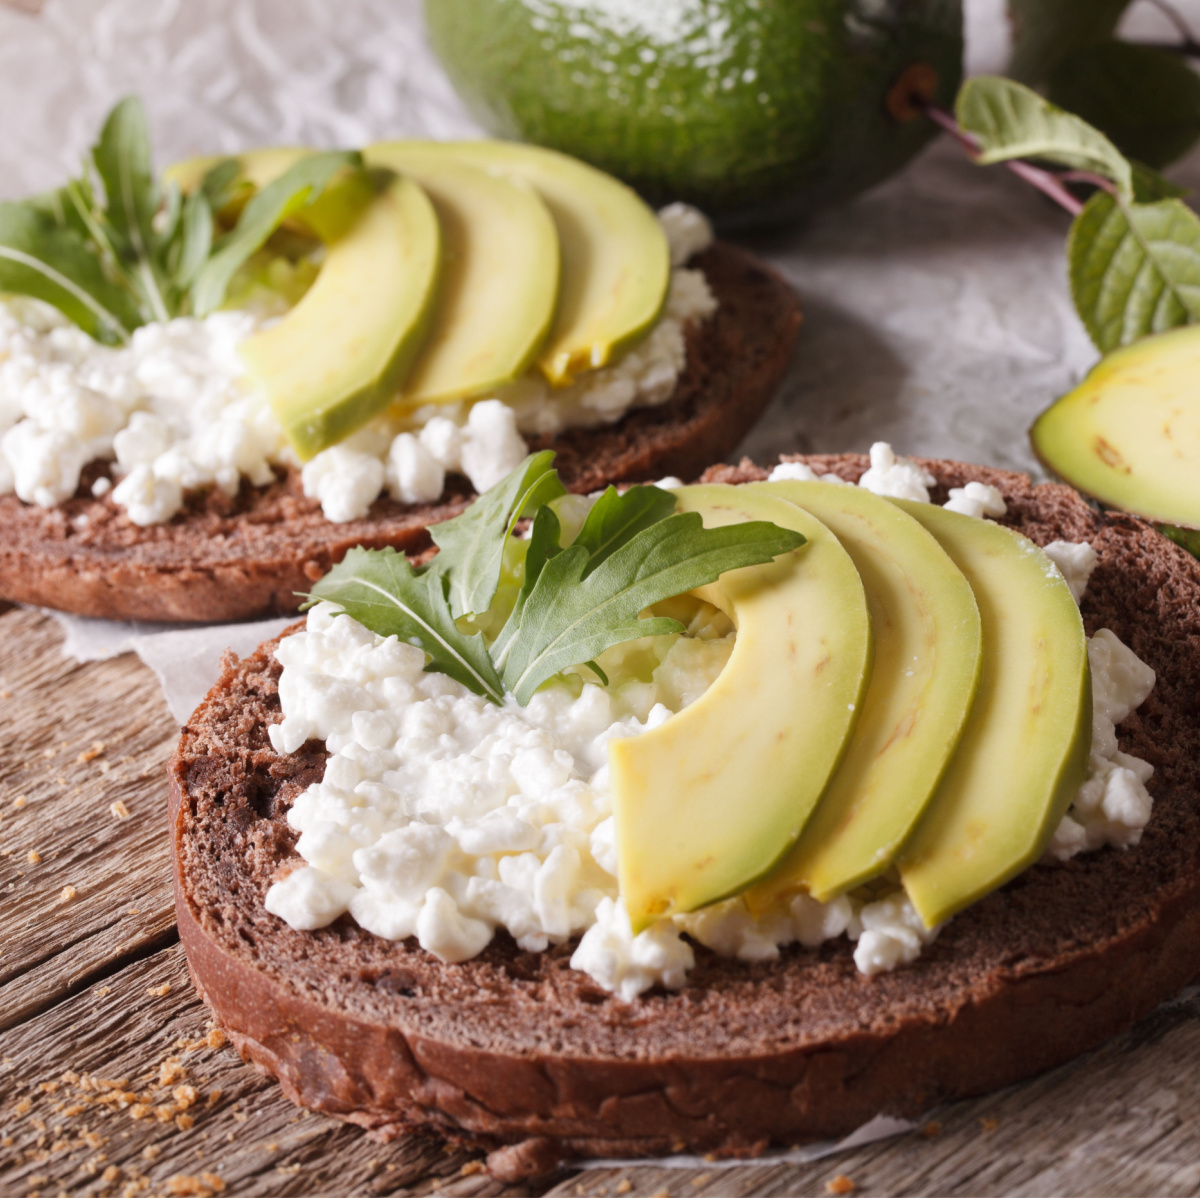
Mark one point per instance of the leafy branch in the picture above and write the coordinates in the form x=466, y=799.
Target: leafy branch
x=113, y=249
x=574, y=601
x=1133, y=251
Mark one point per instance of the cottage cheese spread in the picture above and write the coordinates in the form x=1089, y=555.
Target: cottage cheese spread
x=445, y=818
x=173, y=412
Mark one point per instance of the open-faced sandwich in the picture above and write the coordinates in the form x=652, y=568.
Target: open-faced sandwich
x=706, y=817
x=213, y=386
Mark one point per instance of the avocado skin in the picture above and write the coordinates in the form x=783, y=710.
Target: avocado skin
x=667, y=95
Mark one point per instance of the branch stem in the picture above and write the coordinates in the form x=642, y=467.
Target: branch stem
x=1046, y=182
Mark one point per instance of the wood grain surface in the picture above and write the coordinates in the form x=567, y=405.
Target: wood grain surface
x=114, y=1082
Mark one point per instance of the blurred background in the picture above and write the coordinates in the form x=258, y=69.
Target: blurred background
x=937, y=314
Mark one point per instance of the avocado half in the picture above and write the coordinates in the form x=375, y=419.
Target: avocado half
x=759, y=112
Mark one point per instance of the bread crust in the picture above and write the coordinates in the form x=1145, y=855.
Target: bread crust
x=238, y=559
x=519, y=1053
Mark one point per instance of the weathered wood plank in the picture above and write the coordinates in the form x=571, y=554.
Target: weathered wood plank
x=1123, y=1121
x=126, y=1090
x=84, y=867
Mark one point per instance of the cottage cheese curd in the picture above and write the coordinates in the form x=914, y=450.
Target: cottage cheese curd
x=172, y=410
x=446, y=818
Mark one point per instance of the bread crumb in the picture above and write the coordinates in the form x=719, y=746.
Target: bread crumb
x=5, y=694
x=701, y=1179
x=162, y=990
x=216, y=1039
x=288, y=1169
x=987, y=1124
x=120, y=810
x=102, y=991
x=204, y=1184
x=931, y=1129
x=22, y=1106
x=185, y=1095
x=623, y=1187
x=34, y=857
x=474, y=1167
x=111, y=1174
x=97, y=749
x=94, y=1140
x=48, y=1086
x=184, y=1122
x=20, y=802
x=661, y=1194
x=67, y=894
x=841, y=1185
x=150, y=1152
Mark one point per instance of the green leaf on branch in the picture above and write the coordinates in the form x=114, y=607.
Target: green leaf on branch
x=472, y=545
x=1011, y=121
x=1046, y=31
x=1147, y=101
x=52, y=262
x=1134, y=268
x=571, y=618
x=381, y=590
x=300, y=186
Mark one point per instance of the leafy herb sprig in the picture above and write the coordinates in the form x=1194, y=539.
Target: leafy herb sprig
x=1133, y=252
x=575, y=601
x=114, y=249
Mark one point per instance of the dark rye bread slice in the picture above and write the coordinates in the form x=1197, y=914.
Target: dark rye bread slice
x=521, y=1054
x=225, y=559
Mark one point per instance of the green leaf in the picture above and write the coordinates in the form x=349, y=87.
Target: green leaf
x=472, y=545
x=569, y=619
x=1149, y=185
x=1045, y=31
x=1011, y=121
x=1135, y=268
x=1189, y=539
x=51, y=262
x=299, y=186
x=381, y=590
x=123, y=162
x=1147, y=101
x=544, y=544
x=191, y=250
x=619, y=516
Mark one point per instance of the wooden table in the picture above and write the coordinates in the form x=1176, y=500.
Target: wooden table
x=114, y=1082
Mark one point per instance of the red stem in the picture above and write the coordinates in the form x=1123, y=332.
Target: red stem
x=1044, y=181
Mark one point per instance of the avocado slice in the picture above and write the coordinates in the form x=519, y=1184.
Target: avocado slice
x=927, y=660
x=711, y=799
x=616, y=266
x=339, y=357
x=1129, y=434
x=756, y=112
x=501, y=276
x=1024, y=750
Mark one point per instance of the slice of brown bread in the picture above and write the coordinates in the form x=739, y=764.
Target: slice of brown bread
x=225, y=559
x=522, y=1054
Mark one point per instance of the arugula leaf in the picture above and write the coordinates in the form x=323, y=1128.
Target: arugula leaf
x=1011, y=121
x=381, y=590
x=1134, y=268
x=472, y=545
x=1146, y=100
x=298, y=187
x=123, y=162
x=569, y=619
x=544, y=544
x=50, y=261
x=617, y=517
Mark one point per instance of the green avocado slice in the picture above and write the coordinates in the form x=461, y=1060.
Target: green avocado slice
x=927, y=661
x=1129, y=434
x=338, y=358
x=1025, y=747
x=711, y=799
x=500, y=284
x=616, y=266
